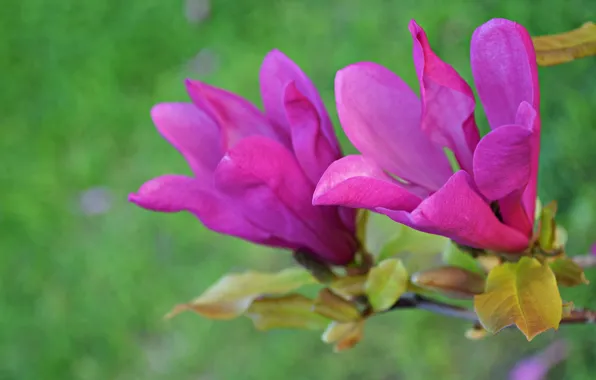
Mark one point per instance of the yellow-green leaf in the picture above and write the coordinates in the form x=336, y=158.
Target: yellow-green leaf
x=232, y=295
x=335, y=307
x=315, y=266
x=362, y=217
x=523, y=293
x=386, y=283
x=567, y=309
x=288, y=311
x=453, y=256
x=349, y=286
x=488, y=262
x=565, y=47
x=386, y=238
x=344, y=335
x=538, y=210
x=415, y=242
x=451, y=281
x=547, y=226
x=568, y=272
x=560, y=237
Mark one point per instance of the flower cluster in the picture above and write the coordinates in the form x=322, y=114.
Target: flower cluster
x=278, y=178
x=255, y=172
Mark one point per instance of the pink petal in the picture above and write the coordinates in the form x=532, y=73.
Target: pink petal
x=381, y=116
x=505, y=70
x=263, y=179
x=175, y=193
x=192, y=132
x=528, y=117
x=357, y=181
x=458, y=212
x=502, y=164
x=502, y=161
x=277, y=71
x=506, y=74
x=236, y=117
x=311, y=148
x=447, y=101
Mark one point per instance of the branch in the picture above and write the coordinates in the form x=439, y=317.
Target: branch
x=414, y=301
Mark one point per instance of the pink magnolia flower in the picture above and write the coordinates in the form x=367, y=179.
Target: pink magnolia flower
x=403, y=171
x=254, y=173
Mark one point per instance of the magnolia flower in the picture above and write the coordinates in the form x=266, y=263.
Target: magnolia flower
x=254, y=173
x=403, y=171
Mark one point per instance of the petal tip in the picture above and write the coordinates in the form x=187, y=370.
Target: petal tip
x=413, y=27
x=133, y=198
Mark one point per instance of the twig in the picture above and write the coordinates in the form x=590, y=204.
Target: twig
x=414, y=301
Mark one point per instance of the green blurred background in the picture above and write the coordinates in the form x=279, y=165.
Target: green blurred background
x=86, y=277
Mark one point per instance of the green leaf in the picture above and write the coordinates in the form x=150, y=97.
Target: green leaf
x=233, y=294
x=381, y=231
x=547, y=227
x=566, y=47
x=362, y=217
x=560, y=237
x=523, y=293
x=349, y=286
x=567, y=309
x=315, y=266
x=568, y=272
x=386, y=283
x=289, y=311
x=414, y=242
x=453, y=256
x=344, y=335
x=450, y=281
x=336, y=308
x=538, y=210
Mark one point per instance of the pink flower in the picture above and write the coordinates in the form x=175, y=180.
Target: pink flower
x=254, y=173
x=403, y=171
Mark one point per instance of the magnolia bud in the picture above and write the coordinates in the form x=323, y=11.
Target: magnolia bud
x=451, y=281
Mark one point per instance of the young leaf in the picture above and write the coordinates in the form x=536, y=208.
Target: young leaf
x=289, y=311
x=538, y=210
x=489, y=262
x=316, y=267
x=565, y=47
x=568, y=272
x=362, y=217
x=453, y=282
x=523, y=293
x=412, y=241
x=453, y=256
x=567, y=309
x=548, y=227
x=386, y=238
x=344, y=335
x=336, y=308
x=232, y=294
x=386, y=283
x=349, y=286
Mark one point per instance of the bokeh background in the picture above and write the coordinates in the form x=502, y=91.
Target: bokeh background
x=85, y=277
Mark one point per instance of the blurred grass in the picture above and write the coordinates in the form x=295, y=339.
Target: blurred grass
x=82, y=296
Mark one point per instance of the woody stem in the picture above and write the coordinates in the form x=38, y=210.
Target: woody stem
x=415, y=301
